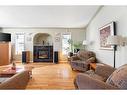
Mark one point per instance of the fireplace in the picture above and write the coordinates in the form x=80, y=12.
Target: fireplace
x=43, y=53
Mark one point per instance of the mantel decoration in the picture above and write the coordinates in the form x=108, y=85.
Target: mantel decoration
x=105, y=31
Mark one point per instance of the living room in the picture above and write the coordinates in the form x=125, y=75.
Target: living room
x=48, y=30
x=45, y=45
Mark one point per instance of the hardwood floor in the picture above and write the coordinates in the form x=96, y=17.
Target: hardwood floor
x=52, y=76
x=49, y=76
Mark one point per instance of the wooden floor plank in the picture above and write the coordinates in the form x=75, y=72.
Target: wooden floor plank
x=56, y=76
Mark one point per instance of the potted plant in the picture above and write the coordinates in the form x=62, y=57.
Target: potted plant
x=77, y=46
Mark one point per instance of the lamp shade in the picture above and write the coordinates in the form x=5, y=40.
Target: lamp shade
x=114, y=40
x=85, y=42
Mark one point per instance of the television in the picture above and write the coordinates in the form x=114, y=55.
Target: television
x=6, y=37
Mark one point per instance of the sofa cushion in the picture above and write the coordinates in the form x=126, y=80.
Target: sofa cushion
x=104, y=70
x=92, y=74
x=119, y=77
x=84, y=55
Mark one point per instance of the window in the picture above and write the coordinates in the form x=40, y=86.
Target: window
x=20, y=43
x=66, y=47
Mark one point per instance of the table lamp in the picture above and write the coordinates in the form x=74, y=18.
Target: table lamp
x=114, y=41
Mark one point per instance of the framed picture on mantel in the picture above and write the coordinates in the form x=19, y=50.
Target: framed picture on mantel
x=105, y=31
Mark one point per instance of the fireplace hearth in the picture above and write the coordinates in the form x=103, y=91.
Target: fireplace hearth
x=43, y=53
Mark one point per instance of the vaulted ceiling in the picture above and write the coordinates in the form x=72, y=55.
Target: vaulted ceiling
x=47, y=16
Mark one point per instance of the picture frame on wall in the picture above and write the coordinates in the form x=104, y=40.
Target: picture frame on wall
x=105, y=31
x=57, y=39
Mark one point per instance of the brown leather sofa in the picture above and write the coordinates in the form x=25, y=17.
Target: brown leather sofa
x=18, y=81
x=103, y=78
x=82, y=60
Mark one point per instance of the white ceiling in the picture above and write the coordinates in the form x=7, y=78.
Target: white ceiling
x=46, y=16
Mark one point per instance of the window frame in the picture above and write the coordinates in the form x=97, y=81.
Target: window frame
x=17, y=51
x=63, y=52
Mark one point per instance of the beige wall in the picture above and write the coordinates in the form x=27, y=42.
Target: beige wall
x=42, y=37
x=106, y=15
x=77, y=34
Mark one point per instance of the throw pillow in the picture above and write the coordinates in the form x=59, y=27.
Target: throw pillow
x=119, y=77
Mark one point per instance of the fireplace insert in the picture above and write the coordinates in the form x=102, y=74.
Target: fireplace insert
x=43, y=53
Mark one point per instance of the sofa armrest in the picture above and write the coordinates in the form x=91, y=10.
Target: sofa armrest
x=91, y=60
x=84, y=81
x=18, y=81
x=104, y=70
x=73, y=58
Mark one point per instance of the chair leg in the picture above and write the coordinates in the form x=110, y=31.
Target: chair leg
x=72, y=69
x=75, y=84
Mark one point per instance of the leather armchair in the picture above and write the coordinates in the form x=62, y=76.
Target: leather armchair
x=103, y=79
x=84, y=81
x=18, y=81
x=82, y=60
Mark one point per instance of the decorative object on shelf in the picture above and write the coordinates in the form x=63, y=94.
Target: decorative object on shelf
x=114, y=41
x=105, y=31
x=13, y=66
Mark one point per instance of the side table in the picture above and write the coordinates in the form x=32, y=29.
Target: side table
x=92, y=66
